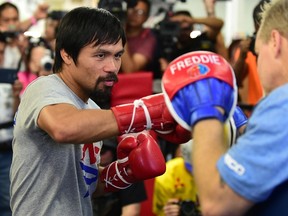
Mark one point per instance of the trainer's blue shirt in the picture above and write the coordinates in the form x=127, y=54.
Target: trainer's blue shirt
x=258, y=162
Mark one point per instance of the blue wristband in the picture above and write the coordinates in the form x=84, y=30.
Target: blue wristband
x=239, y=117
x=206, y=113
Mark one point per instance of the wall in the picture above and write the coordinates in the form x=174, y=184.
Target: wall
x=237, y=14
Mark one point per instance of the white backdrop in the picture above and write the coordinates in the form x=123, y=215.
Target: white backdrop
x=237, y=14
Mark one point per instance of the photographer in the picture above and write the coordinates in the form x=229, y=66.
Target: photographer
x=141, y=42
x=175, y=207
x=185, y=43
x=39, y=61
x=13, y=28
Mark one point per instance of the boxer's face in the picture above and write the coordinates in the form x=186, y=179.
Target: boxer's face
x=96, y=68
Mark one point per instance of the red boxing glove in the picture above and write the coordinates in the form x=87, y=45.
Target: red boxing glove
x=144, y=114
x=139, y=158
x=178, y=136
x=150, y=113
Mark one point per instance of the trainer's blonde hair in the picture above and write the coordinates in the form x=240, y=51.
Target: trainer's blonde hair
x=274, y=17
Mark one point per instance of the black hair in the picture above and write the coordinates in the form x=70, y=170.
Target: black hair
x=148, y=3
x=182, y=12
x=33, y=43
x=5, y=5
x=37, y=42
x=56, y=14
x=83, y=26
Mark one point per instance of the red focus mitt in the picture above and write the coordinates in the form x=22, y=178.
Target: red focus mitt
x=195, y=84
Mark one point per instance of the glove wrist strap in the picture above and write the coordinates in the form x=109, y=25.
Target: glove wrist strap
x=206, y=113
x=137, y=104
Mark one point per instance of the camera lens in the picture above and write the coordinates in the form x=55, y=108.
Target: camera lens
x=188, y=208
x=47, y=63
x=47, y=66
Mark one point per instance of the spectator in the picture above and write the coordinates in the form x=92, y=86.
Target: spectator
x=39, y=61
x=205, y=41
x=141, y=42
x=14, y=28
x=9, y=100
x=51, y=25
x=244, y=64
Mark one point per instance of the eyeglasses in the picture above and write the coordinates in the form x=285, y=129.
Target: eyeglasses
x=137, y=12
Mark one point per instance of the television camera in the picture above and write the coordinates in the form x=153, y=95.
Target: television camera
x=168, y=31
x=117, y=7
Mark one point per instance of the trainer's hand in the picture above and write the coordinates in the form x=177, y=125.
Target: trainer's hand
x=199, y=85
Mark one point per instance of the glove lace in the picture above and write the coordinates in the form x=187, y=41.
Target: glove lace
x=137, y=104
x=109, y=181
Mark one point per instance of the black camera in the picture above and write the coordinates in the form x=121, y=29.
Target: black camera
x=8, y=75
x=167, y=31
x=10, y=34
x=117, y=7
x=189, y=208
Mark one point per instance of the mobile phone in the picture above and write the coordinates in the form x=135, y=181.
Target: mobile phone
x=8, y=75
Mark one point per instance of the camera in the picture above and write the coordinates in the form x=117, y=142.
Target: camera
x=189, y=208
x=117, y=7
x=168, y=31
x=10, y=34
x=8, y=75
x=47, y=63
